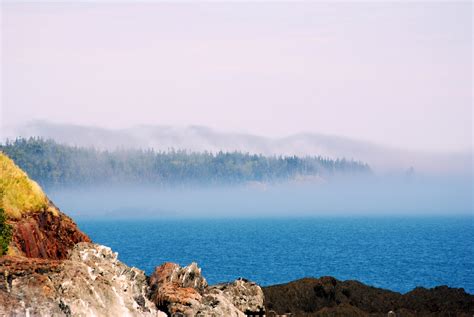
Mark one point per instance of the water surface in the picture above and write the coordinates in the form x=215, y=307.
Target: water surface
x=389, y=252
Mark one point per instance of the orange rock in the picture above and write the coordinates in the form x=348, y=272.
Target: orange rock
x=175, y=289
x=45, y=235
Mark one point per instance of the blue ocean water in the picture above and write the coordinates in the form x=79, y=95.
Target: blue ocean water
x=393, y=253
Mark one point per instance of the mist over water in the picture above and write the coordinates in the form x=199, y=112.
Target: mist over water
x=131, y=183
x=376, y=196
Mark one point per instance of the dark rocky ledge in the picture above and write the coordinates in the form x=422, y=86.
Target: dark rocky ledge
x=327, y=296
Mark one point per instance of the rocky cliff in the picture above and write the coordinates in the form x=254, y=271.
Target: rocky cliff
x=39, y=228
x=45, y=235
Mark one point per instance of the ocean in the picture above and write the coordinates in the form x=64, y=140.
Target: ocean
x=390, y=252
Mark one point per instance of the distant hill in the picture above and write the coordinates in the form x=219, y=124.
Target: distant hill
x=198, y=138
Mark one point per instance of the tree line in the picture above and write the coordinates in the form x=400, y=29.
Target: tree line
x=52, y=164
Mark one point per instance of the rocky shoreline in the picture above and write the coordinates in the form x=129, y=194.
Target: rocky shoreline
x=91, y=281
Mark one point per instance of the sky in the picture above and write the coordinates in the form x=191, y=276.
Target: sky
x=397, y=74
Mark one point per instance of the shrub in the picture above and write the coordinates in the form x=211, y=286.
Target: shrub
x=5, y=233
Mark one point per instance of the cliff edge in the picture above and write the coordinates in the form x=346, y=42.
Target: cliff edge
x=39, y=228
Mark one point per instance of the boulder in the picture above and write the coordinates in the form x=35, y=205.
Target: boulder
x=247, y=296
x=176, y=289
x=216, y=303
x=183, y=290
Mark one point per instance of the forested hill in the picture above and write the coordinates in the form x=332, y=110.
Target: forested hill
x=53, y=164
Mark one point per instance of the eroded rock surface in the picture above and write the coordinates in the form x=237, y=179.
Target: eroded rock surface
x=45, y=235
x=183, y=290
x=39, y=228
x=176, y=289
x=216, y=303
x=171, y=273
x=91, y=282
x=247, y=296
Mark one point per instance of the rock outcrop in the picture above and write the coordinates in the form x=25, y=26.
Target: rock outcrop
x=91, y=282
x=183, y=290
x=327, y=296
x=45, y=235
x=247, y=296
x=175, y=289
x=40, y=229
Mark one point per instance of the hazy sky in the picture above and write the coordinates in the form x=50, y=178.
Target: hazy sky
x=397, y=74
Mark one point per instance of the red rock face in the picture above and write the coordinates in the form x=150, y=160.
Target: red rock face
x=17, y=265
x=44, y=235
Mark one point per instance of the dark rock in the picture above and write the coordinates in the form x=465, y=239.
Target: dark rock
x=327, y=296
x=439, y=299
x=65, y=308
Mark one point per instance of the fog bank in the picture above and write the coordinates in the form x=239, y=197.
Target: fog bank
x=378, y=196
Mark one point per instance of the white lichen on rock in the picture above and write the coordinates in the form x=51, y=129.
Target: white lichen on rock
x=92, y=282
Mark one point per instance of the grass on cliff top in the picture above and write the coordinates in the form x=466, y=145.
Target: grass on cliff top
x=18, y=193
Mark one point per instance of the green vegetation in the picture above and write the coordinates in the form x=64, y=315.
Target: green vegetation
x=53, y=164
x=5, y=233
x=18, y=193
